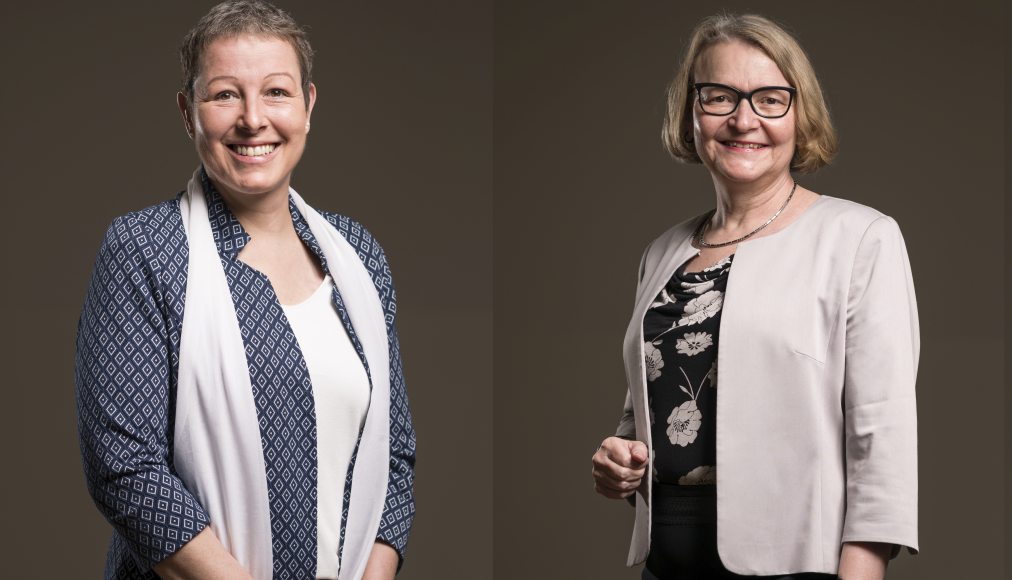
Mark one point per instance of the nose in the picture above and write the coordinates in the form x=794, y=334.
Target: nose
x=744, y=118
x=252, y=118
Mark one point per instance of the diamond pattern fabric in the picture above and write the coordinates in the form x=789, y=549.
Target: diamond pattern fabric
x=127, y=361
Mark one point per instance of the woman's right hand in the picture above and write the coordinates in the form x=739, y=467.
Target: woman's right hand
x=203, y=557
x=619, y=465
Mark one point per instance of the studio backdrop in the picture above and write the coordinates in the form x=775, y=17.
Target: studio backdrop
x=582, y=185
x=401, y=141
x=444, y=126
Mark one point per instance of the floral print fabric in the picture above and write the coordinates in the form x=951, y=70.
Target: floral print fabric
x=680, y=331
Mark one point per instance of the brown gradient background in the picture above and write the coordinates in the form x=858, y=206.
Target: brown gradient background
x=401, y=140
x=582, y=184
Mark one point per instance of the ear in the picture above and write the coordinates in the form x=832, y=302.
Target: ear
x=184, y=109
x=312, y=103
x=687, y=134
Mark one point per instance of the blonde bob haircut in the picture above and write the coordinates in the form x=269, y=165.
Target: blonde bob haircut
x=815, y=139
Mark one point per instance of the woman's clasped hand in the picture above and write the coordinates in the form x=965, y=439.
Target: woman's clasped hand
x=619, y=466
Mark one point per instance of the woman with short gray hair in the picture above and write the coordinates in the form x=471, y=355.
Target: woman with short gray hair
x=241, y=403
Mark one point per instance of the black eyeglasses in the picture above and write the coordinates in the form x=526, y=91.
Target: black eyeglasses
x=722, y=100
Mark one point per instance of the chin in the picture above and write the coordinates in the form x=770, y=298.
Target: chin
x=744, y=178
x=244, y=187
x=737, y=176
x=743, y=173
x=258, y=188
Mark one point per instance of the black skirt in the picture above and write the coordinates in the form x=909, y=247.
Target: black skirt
x=683, y=538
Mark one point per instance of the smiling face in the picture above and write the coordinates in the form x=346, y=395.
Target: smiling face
x=249, y=119
x=742, y=148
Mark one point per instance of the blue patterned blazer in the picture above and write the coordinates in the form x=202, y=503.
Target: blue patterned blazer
x=127, y=361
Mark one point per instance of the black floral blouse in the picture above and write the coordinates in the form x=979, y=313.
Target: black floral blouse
x=680, y=332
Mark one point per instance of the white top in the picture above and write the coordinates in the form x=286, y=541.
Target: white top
x=218, y=451
x=341, y=397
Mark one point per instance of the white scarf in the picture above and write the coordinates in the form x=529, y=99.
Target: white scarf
x=218, y=452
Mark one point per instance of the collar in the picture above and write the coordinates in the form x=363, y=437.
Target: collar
x=229, y=235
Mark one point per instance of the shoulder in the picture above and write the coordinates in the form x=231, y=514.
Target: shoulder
x=673, y=236
x=144, y=255
x=160, y=216
x=369, y=251
x=153, y=226
x=842, y=218
x=357, y=235
x=846, y=216
x=151, y=240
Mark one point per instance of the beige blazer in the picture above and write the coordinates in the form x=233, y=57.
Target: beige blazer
x=816, y=418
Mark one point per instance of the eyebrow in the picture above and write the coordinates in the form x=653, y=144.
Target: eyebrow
x=232, y=78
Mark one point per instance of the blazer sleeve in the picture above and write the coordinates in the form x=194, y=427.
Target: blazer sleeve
x=399, y=506
x=399, y=509
x=880, y=421
x=627, y=424
x=122, y=377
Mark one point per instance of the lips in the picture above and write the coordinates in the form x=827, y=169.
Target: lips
x=742, y=145
x=254, y=150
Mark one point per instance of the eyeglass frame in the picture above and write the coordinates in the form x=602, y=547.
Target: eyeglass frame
x=743, y=96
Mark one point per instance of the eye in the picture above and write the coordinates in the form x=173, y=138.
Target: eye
x=225, y=96
x=277, y=93
x=717, y=96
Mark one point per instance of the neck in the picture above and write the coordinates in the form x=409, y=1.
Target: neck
x=260, y=214
x=745, y=206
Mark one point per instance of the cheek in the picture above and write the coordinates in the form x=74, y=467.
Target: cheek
x=697, y=133
x=698, y=125
x=291, y=121
x=704, y=132
x=210, y=125
x=786, y=132
x=788, y=143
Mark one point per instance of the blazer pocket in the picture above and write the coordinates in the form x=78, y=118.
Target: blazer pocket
x=811, y=325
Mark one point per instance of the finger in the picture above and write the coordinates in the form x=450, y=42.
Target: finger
x=612, y=494
x=617, y=450
x=627, y=453
x=618, y=483
x=604, y=459
x=604, y=465
x=616, y=486
x=638, y=453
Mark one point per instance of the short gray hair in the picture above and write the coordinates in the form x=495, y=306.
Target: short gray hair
x=236, y=17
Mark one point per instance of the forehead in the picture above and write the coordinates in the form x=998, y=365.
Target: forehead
x=738, y=64
x=248, y=56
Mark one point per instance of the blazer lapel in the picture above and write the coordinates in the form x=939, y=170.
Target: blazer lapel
x=658, y=273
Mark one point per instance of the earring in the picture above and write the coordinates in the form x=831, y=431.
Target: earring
x=307, y=126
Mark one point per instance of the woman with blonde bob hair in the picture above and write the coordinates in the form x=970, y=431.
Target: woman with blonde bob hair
x=803, y=463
